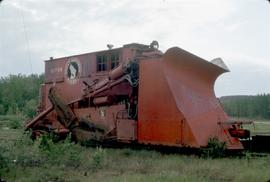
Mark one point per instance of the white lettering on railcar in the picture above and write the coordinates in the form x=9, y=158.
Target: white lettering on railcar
x=56, y=70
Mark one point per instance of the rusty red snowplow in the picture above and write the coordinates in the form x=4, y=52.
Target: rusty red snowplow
x=135, y=94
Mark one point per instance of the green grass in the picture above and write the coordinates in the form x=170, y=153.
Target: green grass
x=43, y=160
x=260, y=126
x=130, y=165
x=12, y=121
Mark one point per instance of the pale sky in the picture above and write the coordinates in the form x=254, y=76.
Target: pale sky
x=238, y=31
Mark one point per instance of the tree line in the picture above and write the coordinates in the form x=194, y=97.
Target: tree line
x=247, y=106
x=19, y=94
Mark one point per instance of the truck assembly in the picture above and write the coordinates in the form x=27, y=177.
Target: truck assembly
x=135, y=94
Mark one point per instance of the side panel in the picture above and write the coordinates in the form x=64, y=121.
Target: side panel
x=104, y=116
x=126, y=130
x=160, y=121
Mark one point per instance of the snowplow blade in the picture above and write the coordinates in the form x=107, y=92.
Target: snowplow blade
x=177, y=103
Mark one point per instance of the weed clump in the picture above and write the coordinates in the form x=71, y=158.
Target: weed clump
x=215, y=148
x=64, y=153
x=98, y=159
